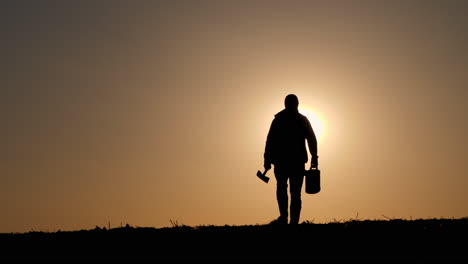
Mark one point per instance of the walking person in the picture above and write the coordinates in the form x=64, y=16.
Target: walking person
x=286, y=150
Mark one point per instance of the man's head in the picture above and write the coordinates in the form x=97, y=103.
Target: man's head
x=291, y=102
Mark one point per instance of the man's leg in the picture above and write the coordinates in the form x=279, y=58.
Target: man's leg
x=296, y=181
x=282, y=193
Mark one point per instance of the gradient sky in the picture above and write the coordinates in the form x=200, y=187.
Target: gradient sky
x=146, y=112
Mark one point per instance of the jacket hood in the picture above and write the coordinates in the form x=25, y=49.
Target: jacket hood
x=287, y=112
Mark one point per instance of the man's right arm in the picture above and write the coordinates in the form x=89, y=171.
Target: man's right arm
x=312, y=143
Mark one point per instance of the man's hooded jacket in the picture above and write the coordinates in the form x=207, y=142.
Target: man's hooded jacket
x=286, y=140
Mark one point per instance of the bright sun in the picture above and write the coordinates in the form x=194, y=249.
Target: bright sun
x=315, y=120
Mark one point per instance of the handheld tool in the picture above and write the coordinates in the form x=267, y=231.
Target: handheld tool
x=263, y=176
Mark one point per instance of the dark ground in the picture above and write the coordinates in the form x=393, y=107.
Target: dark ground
x=440, y=240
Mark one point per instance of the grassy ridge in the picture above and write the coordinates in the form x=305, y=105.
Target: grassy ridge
x=429, y=239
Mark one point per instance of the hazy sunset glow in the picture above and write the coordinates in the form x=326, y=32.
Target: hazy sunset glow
x=143, y=112
x=316, y=120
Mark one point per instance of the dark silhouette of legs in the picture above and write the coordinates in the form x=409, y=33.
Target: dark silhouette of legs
x=295, y=174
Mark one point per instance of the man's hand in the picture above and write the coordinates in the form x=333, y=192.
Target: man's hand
x=314, y=162
x=267, y=166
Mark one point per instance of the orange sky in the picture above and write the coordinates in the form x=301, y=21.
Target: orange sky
x=143, y=112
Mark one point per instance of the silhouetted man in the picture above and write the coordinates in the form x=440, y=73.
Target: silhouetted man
x=286, y=150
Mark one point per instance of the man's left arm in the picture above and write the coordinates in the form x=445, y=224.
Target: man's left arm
x=269, y=146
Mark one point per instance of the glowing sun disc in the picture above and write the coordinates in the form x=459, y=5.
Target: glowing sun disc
x=315, y=120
